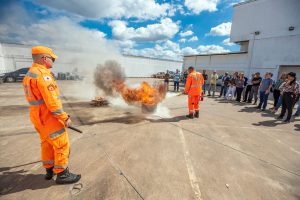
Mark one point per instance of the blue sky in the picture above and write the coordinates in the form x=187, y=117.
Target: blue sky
x=164, y=29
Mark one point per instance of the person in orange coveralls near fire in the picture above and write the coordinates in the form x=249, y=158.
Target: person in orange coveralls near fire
x=193, y=88
x=48, y=117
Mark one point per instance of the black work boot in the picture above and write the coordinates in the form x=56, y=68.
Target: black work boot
x=49, y=173
x=196, y=114
x=191, y=116
x=66, y=177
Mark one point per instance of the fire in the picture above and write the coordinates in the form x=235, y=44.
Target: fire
x=145, y=94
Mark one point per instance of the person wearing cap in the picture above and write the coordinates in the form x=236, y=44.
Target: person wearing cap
x=213, y=83
x=290, y=94
x=48, y=117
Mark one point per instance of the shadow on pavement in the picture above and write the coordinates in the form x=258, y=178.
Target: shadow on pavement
x=135, y=119
x=9, y=168
x=269, y=123
x=297, y=127
x=12, y=182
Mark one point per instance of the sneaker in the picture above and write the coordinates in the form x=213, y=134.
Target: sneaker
x=196, y=114
x=66, y=177
x=49, y=173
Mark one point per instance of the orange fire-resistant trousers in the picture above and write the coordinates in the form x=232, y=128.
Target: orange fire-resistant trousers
x=193, y=103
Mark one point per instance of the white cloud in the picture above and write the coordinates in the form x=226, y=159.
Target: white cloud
x=227, y=42
x=154, y=32
x=189, y=51
x=76, y=44
x=192, y=39
x=198, y=6
x=211, y=49
x=186, y=33
x=96, y=9
x=171, y=50
x=221, y=30
x=183, y=40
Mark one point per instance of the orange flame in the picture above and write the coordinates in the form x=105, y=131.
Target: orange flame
x=145, y=94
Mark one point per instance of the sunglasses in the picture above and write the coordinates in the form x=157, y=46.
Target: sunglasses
x=53, y=59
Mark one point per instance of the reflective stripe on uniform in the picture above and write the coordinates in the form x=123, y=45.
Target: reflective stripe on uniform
x=52, y=135
x=57, y=112
x=36, y=102
x=32, y=75
x=59, y=167
x=48, y=162
x=196, y=85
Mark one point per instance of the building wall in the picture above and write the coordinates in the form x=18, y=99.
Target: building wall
x=271, y=18
x=16, y=56
x=221, y=63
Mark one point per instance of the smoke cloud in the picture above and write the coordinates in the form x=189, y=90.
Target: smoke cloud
x=107, y=74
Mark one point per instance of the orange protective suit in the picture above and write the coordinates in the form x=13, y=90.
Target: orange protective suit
x=193, y=88
x=47, y=116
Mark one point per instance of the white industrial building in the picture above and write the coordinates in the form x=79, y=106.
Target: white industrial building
x=16, y=56
x=268, y=32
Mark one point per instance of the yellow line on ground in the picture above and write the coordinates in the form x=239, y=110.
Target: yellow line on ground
x=189, y=165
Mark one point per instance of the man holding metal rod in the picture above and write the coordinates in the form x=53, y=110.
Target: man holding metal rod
x=48, y=117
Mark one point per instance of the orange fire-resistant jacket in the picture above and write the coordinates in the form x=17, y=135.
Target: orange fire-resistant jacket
x=194, y=82
x=43, y=96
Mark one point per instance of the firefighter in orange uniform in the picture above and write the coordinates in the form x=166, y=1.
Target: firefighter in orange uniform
x=193, y=88
x=47, y=116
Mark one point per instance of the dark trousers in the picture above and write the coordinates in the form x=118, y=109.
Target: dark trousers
x=176, y=86
x=287, y=104
x=247, y=92
x=276, y=95
x=263, y=99
x=239, y=91
x=223, y=90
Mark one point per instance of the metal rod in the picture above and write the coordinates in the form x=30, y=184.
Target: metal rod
x=75, y=129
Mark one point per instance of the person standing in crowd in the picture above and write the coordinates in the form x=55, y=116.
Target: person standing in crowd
x=167, y=77
x=298, y=109
x=290, y=94
x=205, y=76
x=255, y=86
x=234, y=77
x=213, y=83
x=276, y=91
x=176, y=80
x=231, y=90
x=224, y=86
x=248, y=88
x=239, y=86
x=264, y=91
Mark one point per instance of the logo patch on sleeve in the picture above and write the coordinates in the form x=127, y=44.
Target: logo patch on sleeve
x=47, y=78
x=51, y=87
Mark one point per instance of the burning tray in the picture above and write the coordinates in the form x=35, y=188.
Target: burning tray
x=99, y=101
x=147, y=108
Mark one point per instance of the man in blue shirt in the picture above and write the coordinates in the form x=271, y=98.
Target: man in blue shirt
x=176, y=80
x=264, y=90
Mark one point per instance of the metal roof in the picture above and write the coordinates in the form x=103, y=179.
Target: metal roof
x=244, y=2
x=216, y=54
